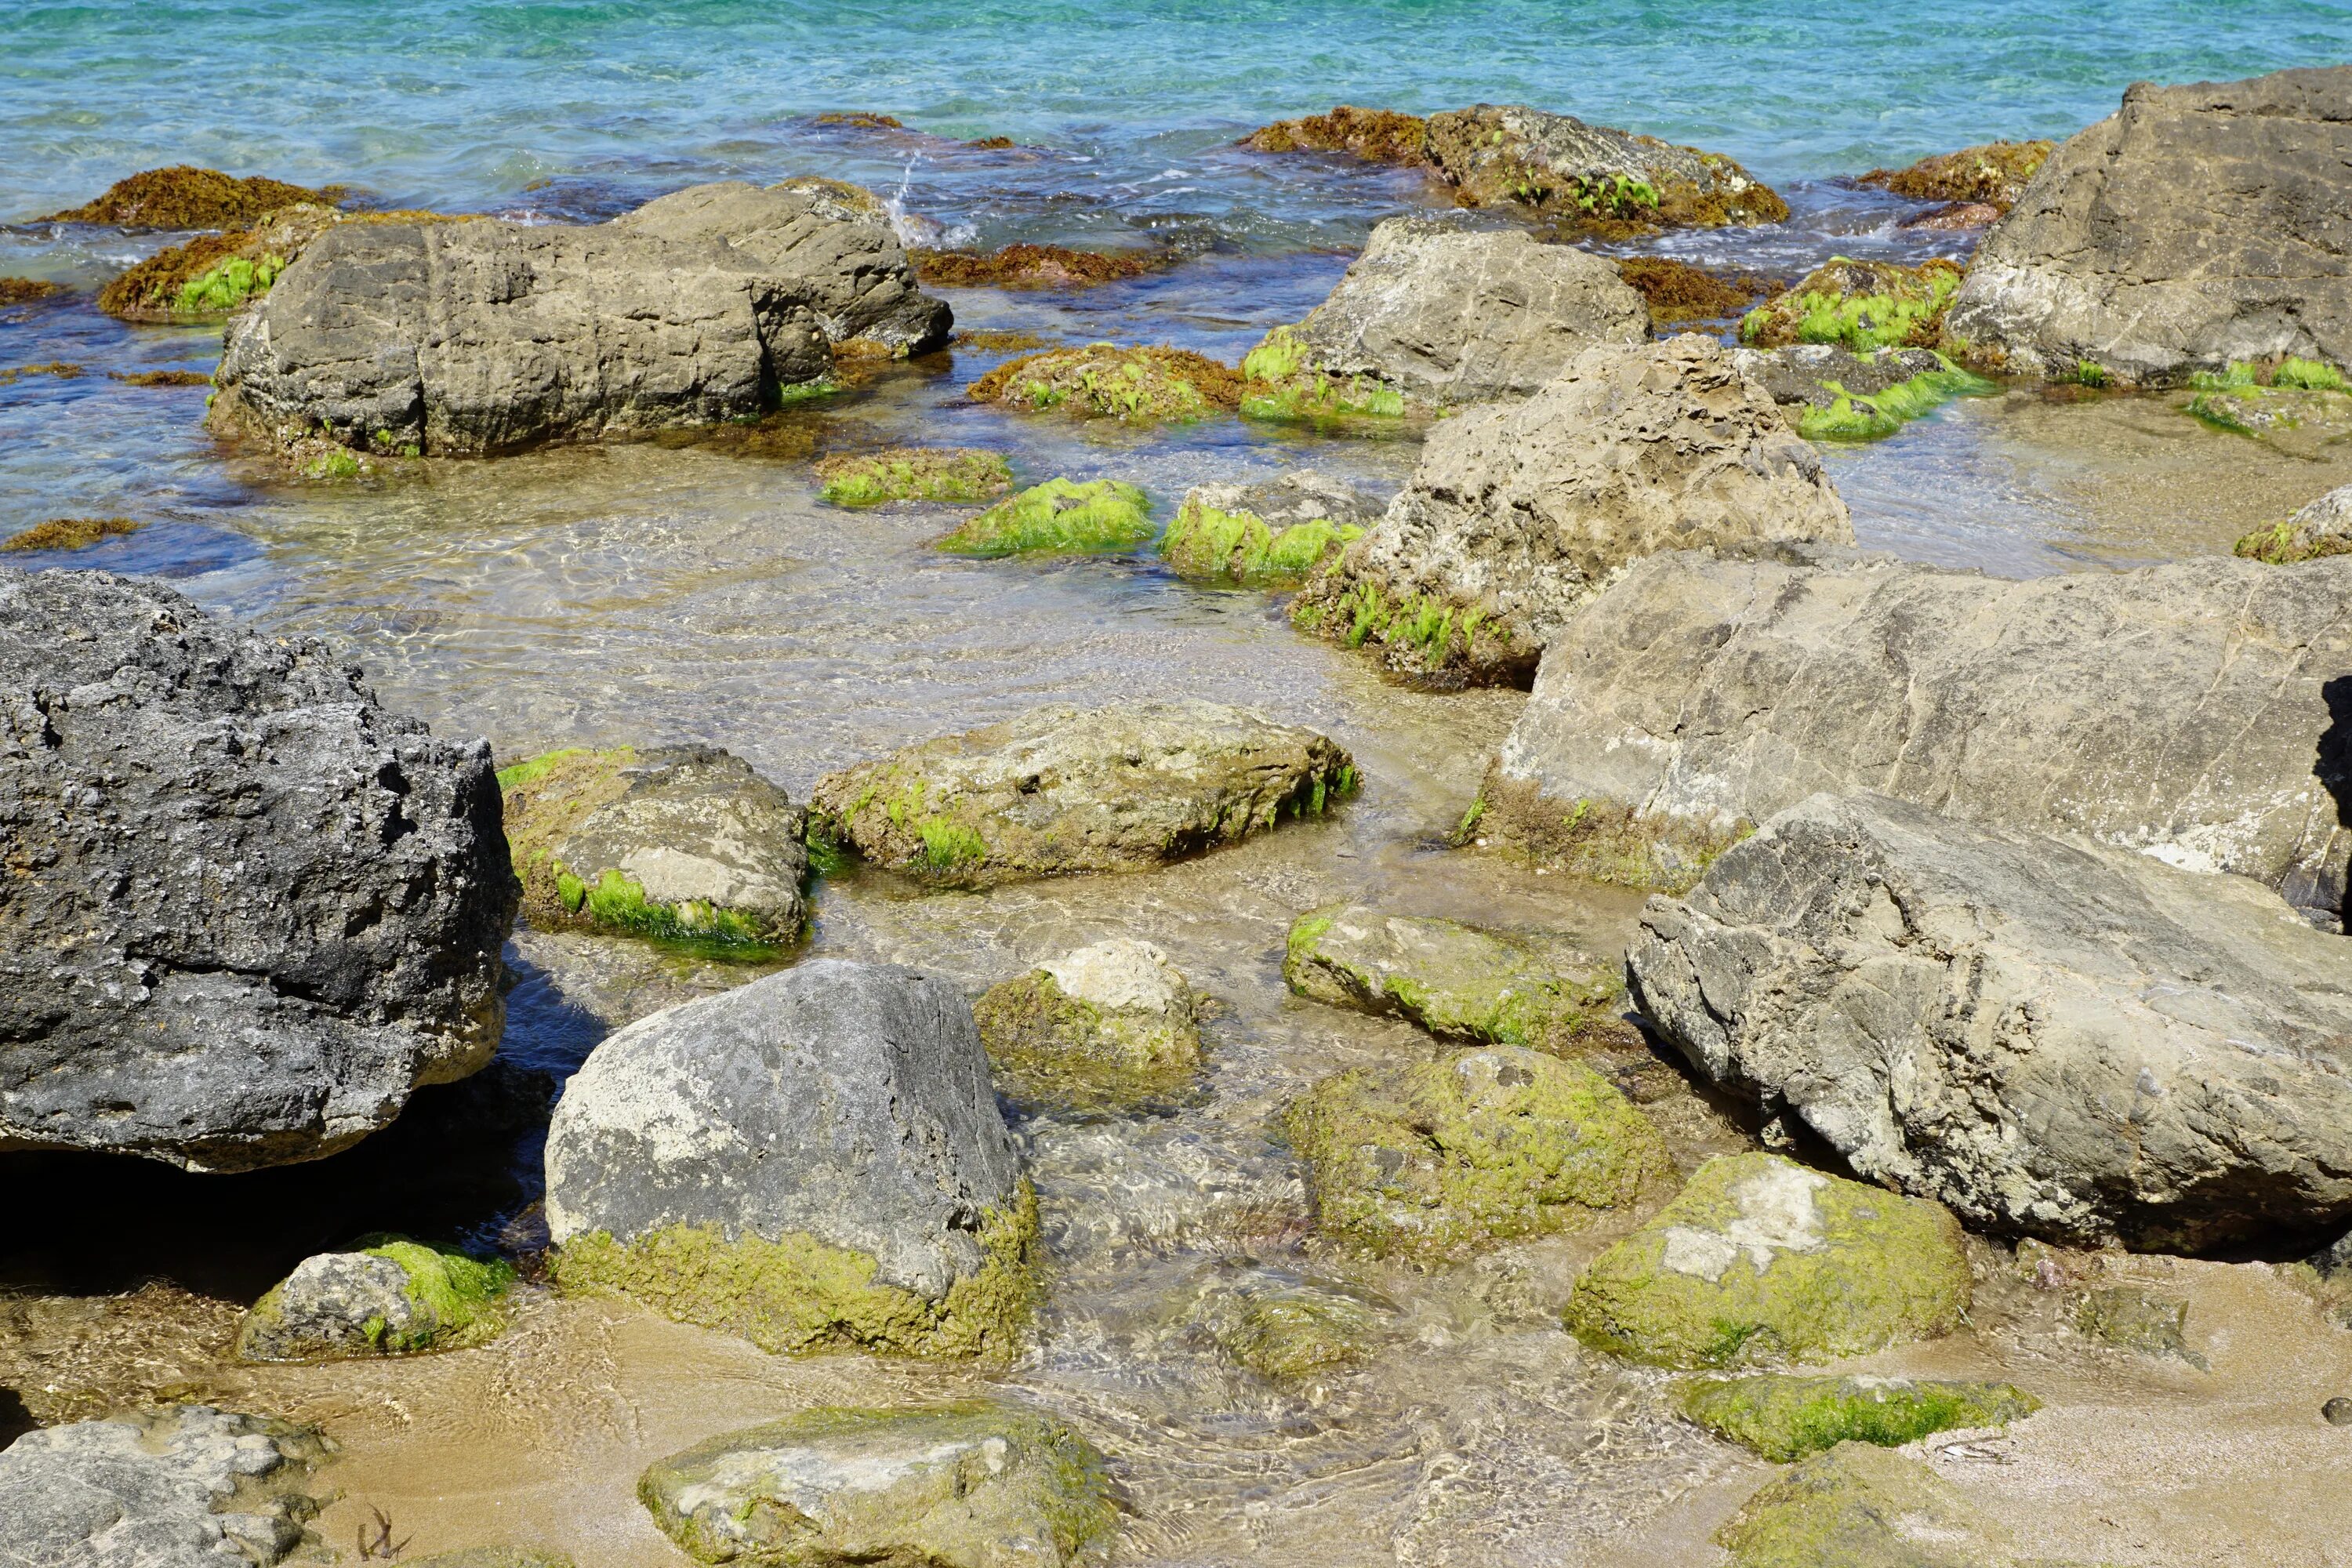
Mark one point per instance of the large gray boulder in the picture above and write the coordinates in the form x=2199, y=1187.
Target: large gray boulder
x=2194, y=227
x=2191, y=710
x=490, y=336
x=1444, y=316
x=248, y=910
x=813, y=1159
x=1517, y=515
x=191, y=1486
x=2078, y=1042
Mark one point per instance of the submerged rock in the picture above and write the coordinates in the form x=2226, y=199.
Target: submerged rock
x=1028, y=267
x=1835, y=395
x=1375, y=135
x=1060, y=517
x=1062, y=791
x=1961, y=1011
x=1270, y=534
x=184, y=196
x=1861, y=306
x=1861, y=1506
x=159, y=1488
x=1458, y=982
x=1433, y=316
x=395, y=1298
x=1109, y=1024
x=682, y=843
x=2132, y=1318
x=1103, y=381
x=2300, y=407
x=914, y=473
x=27, y=291
x=1517, y=515
x=1784, y=1418
x=982, y=1484
x=1294, y=1333
x=2320, y=528
x=1760, y=1260
x=2191, y=710
x=2195, y=227
x=1589, y=177
x=251, y=910
x=1992, y=173
x=811, y=1161
x=1676, y=291
x=1441, y=1159
x=71, y=533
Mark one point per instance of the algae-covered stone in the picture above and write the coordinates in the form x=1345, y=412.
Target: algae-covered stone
x=1063, y=791
x=1266, y=535
x=2133, y=1318
x=1860, y=1506
x=811, y=1161
x=1292, y=1331
x=1760, y=1259
x=394, y=1297
x=71, y=532
x=214, y=274
x=2301, y=406
x=1836, y=395
x=1375, y=135
x=1858, y=305
x=2322, y=528
x=914, y=473
x=184, y=196
x=1060, y=517
x=1785, y=1419
x=1108, y=1025
x=1994, y=173
x=981, y=1484
x=1442, y=1158
x=1591, y=178
x=1458, y=982
x=685, y=844
x=1138, y=385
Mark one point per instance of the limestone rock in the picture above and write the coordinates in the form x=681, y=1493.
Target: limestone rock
x=1517, y=515
x=1064, y=790
x=2300, y=407
x=1760, y=1261
x=2195, y=226
x=1271, y=535
x=189, y=1487
x=982, y=1484
x=2191, y=710
x=1588, y=177
x=394, y=1297
x=1458, y=982
x=2081, y=1042
x=813, y=1159
x=2322, y=528
x=1434, y=315
x=1108, y=1023
x=1784, y=1417
x=249, y=910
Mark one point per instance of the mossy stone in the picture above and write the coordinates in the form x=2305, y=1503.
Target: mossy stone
x=1444, y=1158
x=390, y=1296
x=1294, y=1334
x=914, y=473
x=1110, y=1027
x=1785, y=1419
x=1279, y=381
x=1458, y=982
x=1210, y=544
x=1060, y=517
x=1860, y=305
x=1761, y=1260
x=1858, y=1506
x=1134, y=386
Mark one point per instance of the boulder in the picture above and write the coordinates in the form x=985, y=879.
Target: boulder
x=1784, y=1417
x=1860, y=1506
x=1445, y=1158
x=2191, y=710
x=395, y=1298
x=188, y=1487
x=812, y=1160
x=1435, y=316
x=1517, y=515
x=1589, y=178
x=2077, y=1041
x=683, y=843
x=2195, y=226
x=1458, y=982
x=982, y=1484
x=1833, y=394
x=250, y=910
x=489, y=336
x=1060, y=517
x=1760, y=1261
x=2322, y=528
x=1062, y=791
x=1271, y=535
x=1109, y=1024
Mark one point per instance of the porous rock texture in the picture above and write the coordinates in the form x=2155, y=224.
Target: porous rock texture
x=247, y=910
x=2081, y=1042
x=2194, y=710
x=2195, y=226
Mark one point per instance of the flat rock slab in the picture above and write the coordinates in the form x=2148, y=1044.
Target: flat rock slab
x=1459, y=981
x=1784, y=1417
x=251, y=910
x=1067, y=790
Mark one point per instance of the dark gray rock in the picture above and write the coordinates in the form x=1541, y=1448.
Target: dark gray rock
x=2077, y=1041
x=2195, y=226
x=191, y=1486
x=250, y=910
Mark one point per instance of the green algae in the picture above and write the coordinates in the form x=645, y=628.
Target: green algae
x=1444, y=1158
x=460, y=1298
x=1856, y=1506
x=1134, y=386
x=227, y=285
x=1279, y=381
x=1060, y=517
x=1785, y=1419
x=1856, y=418
x=795, y=1294
x=1862, y=306
x=1457, y=981
x=1051, y=1048
x=2281, y=543
x=1292, y=1335
x=1418, y=635
x=1210, y=544
x=914, y=473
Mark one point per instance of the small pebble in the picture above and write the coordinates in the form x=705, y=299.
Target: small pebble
x=2338, y=1411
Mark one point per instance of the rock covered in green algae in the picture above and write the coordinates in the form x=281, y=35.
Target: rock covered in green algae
x=1785, y=1419
x=1062, y=791
x=1458, y=982
x=1294, y=1331
x=981, y=1484
x=1836, y=395
x=1109, y=1024
x=683, y=843
x=184, y=196
x=1104, y=381
x=2301, y=406
x=1760, y=1259
x=2132, y=1318
x=1591, y=178
x=1859, y=1506
x=1442, y=1158
x=1375, y=135
x=394, y=1297
x=812, y=1161
x=1860, y=306
x=1060, y=517
x=2323, y=528
x=914, y=473
x=1267, y=535
x=1992, y=172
